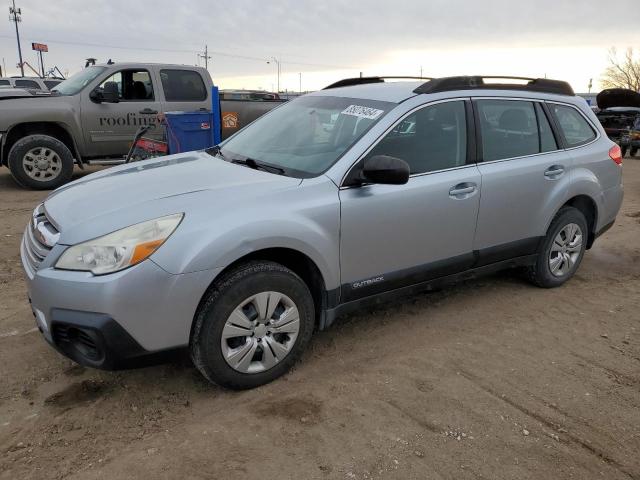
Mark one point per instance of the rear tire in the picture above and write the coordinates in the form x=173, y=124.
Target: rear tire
x=40, y=162
x=562, y=249
x=252, y=308
x=633, y=152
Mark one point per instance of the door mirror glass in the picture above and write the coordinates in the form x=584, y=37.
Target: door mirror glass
x=386, y=170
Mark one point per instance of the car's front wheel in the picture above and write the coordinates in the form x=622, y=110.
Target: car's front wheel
x=40, y=162
x=562, y=249
x=253, y=325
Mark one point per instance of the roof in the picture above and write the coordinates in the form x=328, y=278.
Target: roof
x=395, y=92
x=146, y=64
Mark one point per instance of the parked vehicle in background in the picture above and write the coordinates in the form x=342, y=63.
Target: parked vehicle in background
x=630, y=141
x=619, y=111
x=30, y=83
x=255, y=95
x=336, y=200
x=92, y=117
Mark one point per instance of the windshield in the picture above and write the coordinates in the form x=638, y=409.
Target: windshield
x=304, y=137
x=77, y=82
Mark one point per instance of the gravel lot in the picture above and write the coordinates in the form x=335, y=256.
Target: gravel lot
x=488, y=379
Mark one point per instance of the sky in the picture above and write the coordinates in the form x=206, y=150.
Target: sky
x=319, y=42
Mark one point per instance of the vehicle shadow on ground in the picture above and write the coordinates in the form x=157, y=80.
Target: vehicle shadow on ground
x=7, y=183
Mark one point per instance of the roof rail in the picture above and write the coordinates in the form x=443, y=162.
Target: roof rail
x=349, y=82
x=478, y=82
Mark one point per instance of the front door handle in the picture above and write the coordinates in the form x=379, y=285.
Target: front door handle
x=148, y=111
x=463, y=190
x=554, y=172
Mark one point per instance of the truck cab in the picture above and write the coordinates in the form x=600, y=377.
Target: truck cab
x=92, y=117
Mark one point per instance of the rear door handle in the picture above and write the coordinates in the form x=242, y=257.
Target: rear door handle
x=554, y=171
x=148, y=111
x=463, y=190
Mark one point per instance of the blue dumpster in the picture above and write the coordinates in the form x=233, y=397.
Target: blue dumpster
x=188, y=131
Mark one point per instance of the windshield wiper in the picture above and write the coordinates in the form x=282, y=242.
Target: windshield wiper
x=251, y=163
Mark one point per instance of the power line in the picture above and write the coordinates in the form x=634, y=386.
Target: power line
x=213, y=52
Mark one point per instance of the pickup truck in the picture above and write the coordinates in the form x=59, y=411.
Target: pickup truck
x=92, y=117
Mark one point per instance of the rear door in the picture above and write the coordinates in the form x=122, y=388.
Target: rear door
x=184, y=90
x=525, y=177
x=109, y=128
x=397, y=235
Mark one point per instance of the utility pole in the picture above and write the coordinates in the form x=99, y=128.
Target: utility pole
x=300, y=78
x=277, y=62
x=16, y=16
x=590, y=84
x=206, y=57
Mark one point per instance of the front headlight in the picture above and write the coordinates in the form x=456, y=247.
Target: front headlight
x=121, y=249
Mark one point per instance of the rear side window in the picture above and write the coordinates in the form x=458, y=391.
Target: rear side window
x=509, y=129
x=4, y=83
x=574, y=127
x=433, y=138
x=183, y=86
x=27, y=84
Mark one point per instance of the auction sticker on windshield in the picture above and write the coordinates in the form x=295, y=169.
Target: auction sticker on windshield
x=362, y=112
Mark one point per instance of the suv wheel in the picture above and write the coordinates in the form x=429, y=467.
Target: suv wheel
x=253, y=326
x=562, y=249
x=40, y=162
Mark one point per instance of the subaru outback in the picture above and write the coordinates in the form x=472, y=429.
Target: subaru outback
x=362, y=192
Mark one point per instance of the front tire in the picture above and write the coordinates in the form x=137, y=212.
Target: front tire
x=40, y=162
x=562, y=249
x=253, y=325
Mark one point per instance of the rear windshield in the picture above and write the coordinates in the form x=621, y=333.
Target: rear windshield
x=306, y=136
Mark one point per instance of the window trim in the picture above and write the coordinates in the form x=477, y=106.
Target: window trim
x=470, y=133
x=565, y=145
x=164, y=93
x=153, y=88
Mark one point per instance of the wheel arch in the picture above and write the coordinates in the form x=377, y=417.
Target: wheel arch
x=295, y=260
x=52, y=129
x=589, y=209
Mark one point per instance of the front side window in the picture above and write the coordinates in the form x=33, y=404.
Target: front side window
x=307, y=135
x=51, y=84
x=574, y=127
x=133, y=85
x=27, y=84
x=183, y=86
x=432, y=138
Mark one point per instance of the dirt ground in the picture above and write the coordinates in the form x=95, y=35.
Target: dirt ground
x=490, y=379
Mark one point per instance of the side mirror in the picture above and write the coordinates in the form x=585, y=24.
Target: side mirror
x=386, y=170
x=109, y=94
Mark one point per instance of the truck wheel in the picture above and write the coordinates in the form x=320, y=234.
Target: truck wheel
x=40, y=162
x=561, y=251
x=252, y=326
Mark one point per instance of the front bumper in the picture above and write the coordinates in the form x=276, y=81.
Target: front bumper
x=129, y=318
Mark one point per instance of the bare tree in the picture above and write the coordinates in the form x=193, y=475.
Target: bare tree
x=623, y=73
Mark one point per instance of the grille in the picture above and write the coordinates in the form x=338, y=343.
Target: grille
x=39, y=237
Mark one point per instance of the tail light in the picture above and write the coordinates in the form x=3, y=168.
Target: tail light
x=615, y=153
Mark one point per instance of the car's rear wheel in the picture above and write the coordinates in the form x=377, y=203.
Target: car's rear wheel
x=253, y=325
x=40, y=162
x=562, y=249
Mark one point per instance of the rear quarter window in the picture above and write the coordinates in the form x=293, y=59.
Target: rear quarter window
x=183, y=86
x=4, y=83
x=575, y=129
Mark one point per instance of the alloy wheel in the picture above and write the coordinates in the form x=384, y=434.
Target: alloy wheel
x=565, y=250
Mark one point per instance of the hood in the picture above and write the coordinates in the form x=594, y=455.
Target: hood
x=120, y=196
x=618, y=97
